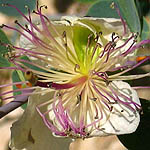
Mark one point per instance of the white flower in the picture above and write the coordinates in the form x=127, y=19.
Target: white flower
x=82, y=62
x=87, y=101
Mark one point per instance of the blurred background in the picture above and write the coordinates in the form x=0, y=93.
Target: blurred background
x=55, y=8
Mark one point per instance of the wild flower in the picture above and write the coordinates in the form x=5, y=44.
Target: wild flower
x=80, y=66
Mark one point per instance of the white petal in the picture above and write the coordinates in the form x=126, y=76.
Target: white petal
x=121, y=122
x=30, y=133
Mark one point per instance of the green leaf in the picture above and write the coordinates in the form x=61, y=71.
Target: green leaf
x=17, y=77
x=4, y=62
x=102, y=9
x=87, y=1
x=20, y=4
x=127, y=8
x=3, y=50
x=130, y=14
x=139, y=140
x=3, y=39
x=143, y=7
x=29, y=65
x=24, y=106
x=145, y=33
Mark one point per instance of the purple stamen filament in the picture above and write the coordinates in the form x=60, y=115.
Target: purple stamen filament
x=58, y=86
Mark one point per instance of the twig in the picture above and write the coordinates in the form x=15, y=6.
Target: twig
x=7, y=108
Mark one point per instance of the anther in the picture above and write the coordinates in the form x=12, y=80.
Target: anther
x=93, y=98
x=28, y=72
x=3, y=5
x=76, y=67
x=26, y=6
x=113, y=34
x=64, y=34
x=49, y=85
x=16, y=21
x=100, y=33
x=65, y=38
x=89, y=40
x=87, y=134
x=102, y=129
x=135, y=36
x=78, y=99
x=1, y=26
x=26, y=26
x=31, y=77
x=97, y=37
x=68, y=21
x=59, y=94
x=43, y=6
x=113, y=44
x=111, y=108
x=113, y=102
x=96, y=117
x=141, y=112
x=33, y=11
x=112, y=5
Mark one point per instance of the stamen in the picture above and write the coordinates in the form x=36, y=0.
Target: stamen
x=109, y=47
x=89, y=41
x=18, y=65
x=23, y=94
x=128, y=104
x=98, y=36
x=126, y=42
x=36, y=40
x=102, y=75
x=68, y=85
x=78, y=98
x=131, y=68
x=77, y=67
x=21, y=33
x=136, y=46
x=97, y=45
x=1, y=26
x=127, y=51
x=31, y=77
x=114, y=38
x=66, y=47
x=114, y=5
x=58, y=86
x=14, y=91
x=12, y=68
x=27, y=51
x=93, y=98
x=98, y=91
x=11, y=84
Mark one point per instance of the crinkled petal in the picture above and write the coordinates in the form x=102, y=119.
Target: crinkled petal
x=30, y=133
x=122, y=119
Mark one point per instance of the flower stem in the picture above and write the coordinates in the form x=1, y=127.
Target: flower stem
x=7, y=108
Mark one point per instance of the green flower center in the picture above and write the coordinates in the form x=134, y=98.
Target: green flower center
x=86, y=48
